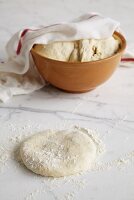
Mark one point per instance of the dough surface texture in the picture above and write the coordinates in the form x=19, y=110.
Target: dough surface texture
x=59, y=153
x=79, y=51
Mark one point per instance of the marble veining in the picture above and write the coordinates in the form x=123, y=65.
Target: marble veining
x=14, y=110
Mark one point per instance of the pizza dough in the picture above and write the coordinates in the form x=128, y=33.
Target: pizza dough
x=79, y=51
x=56, y=50
x=59, y=153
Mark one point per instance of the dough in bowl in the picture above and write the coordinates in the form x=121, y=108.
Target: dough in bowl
x=59, y=153
x=56, y=50
x=79, y=51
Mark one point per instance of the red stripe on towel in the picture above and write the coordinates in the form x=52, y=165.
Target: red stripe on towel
x=127, y=59
x=24, y=32
x=19, y=47
x=19, y=43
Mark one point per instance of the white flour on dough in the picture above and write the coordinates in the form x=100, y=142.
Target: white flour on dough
x=60, y=153
x=19, y=133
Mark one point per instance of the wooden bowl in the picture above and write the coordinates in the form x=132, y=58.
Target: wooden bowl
x=78, y=77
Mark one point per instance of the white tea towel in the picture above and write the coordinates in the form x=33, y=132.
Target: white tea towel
x=128, y=57
x=19, y=75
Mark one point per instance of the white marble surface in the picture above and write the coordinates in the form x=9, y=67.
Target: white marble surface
x=109, y=109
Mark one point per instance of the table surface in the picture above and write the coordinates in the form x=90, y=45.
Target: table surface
x=109, y=109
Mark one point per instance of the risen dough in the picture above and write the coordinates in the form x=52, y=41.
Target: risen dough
x=58, y=153
x=86, y=50
x=74, y=57
x=104, y=48
x=81, y=50
x=57, y=50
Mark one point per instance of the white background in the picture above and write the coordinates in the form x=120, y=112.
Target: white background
x=109, y=108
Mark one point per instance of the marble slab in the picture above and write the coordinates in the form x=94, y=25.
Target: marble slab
x=109, y=110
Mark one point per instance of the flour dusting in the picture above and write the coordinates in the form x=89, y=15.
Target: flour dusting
x=118, y=163
x=4, y=157
x=50, y=185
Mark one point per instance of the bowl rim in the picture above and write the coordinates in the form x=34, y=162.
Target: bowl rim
x=120, y=50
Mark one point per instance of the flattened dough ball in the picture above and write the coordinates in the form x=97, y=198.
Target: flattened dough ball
x=58, y=153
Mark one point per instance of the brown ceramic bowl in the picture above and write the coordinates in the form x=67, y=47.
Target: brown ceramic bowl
x=76, y=76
